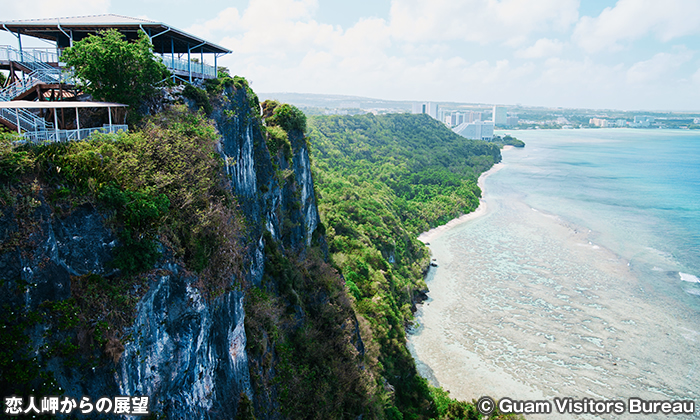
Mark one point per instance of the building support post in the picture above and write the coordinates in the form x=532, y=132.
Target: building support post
x=17, y=116
x=109, y=111
x=189, y=62
x=77, y=121
x=172, y=54
x=55, y=123
x=21, y=55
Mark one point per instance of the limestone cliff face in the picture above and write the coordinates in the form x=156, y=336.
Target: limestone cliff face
x=187, y=353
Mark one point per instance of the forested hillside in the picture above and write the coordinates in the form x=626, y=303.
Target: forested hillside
x=430, y=171
x=184, y=262
x=381, y=180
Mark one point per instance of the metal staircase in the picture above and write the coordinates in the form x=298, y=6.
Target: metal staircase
x=40, y=72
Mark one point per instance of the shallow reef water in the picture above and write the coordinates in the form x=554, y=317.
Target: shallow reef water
x=580, y=278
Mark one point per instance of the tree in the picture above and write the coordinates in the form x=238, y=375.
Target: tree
x=115, y=70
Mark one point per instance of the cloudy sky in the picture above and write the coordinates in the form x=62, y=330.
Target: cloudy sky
x=624, y=54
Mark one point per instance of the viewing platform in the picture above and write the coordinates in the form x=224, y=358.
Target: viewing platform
x=182, y=53
x=39, y=84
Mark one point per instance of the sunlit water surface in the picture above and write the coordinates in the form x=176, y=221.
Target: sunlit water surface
x=581, y=280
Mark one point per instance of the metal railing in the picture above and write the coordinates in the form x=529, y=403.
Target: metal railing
x=38, y=129
x=37, y=63
x=12, y=91
x=68, y=135
x=27, y=120
x=35, y=60
x=45, y=55
x=183, y=65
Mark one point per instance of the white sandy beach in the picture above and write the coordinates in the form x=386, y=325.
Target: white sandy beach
x=432, y=234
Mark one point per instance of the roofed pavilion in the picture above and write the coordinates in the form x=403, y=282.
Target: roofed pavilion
x=172, y=44
x=41, y=78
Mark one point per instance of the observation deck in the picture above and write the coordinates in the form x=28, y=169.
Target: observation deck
x=37, y=74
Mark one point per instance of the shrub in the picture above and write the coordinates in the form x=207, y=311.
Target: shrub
x=200, y=98
x=277, y=139
x=14, y=160
x=288, y=117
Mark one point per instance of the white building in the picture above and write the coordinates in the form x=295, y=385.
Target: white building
x=477, y=130
x=500, y=116
x=642, y=121
x=598, y=122
x=429, y=108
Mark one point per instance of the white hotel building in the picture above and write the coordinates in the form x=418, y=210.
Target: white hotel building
x=477, y=130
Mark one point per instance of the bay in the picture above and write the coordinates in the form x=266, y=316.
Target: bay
x=579, y=279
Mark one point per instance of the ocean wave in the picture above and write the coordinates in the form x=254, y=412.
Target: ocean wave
x=689, y=278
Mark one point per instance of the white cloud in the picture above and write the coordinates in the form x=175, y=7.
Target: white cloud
x=36, y=9
x=482, y=21
x=273, y=27
x=227, y=19
x=584, y=74
x=632, y=19
x=367, y=35
x=696, y=78
x=660, y=65
x=542, y=48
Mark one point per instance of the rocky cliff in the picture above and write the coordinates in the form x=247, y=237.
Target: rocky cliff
x=157, y=332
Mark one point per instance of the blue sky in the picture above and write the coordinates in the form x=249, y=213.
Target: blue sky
x=624, y=54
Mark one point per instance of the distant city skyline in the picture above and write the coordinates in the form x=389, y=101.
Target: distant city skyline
x=625, y=54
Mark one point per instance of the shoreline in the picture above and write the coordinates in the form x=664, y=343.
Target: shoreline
x=530, y=305
x=481, y=210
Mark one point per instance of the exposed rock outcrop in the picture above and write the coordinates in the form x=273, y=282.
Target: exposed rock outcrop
x=186, y=352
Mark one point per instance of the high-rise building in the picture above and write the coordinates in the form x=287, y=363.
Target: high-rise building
x=474, y=116
x=460, y=118
x=598, y=122
x=642, y=121
x=456, y=118
x=429, y=108
x=500, y=115
x=478, y=130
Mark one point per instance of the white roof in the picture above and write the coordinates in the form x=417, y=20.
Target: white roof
x=54, y=28
x=57, y=104
x=106, y=19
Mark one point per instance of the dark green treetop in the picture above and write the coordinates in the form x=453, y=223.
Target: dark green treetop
x=114, y=69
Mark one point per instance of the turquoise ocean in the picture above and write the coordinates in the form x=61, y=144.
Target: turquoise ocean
x=581, y=278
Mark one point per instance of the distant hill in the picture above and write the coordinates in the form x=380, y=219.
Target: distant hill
x=312, y=100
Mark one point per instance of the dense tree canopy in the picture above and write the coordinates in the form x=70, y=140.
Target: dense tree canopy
x=115, y=70
x=382, y=180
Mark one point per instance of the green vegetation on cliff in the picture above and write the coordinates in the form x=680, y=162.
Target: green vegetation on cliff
x=508, y=140
x=319, y=345
x=382, y=180
x=159, y=189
